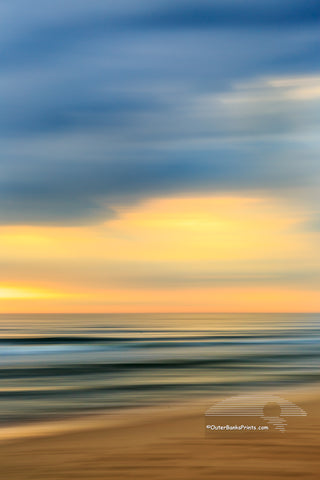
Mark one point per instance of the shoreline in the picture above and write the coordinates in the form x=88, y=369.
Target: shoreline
x=117, y=417
x=166, y=442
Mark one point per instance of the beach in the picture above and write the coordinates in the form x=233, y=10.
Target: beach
x=165, y=442
x=126, y=397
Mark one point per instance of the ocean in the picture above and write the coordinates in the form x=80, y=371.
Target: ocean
x=59, y=365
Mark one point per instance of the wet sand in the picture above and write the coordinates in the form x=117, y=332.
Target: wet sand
x=166, y=442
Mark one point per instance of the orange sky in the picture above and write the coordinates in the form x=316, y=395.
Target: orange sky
x=204, y=254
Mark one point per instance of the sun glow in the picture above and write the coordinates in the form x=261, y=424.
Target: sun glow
x=165, y=254
x=10, y=292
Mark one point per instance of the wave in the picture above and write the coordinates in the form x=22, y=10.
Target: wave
x=46, y=370
x=184, y=363
x=82, y=339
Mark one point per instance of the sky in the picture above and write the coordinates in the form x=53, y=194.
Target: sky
x=160, y=156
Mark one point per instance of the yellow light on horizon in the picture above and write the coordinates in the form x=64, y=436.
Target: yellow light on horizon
x=9, y=293
x=71, y=268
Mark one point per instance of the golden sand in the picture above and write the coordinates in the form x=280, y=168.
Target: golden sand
x=163, y=443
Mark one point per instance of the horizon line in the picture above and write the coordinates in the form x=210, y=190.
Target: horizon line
x=158, y=313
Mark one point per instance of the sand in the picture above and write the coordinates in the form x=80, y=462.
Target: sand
x=163, y=443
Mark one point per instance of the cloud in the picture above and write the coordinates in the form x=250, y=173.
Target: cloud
x=156, y=275
x=112, y=102
x=229, y=149
x=234, y=14
x=271, y=105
